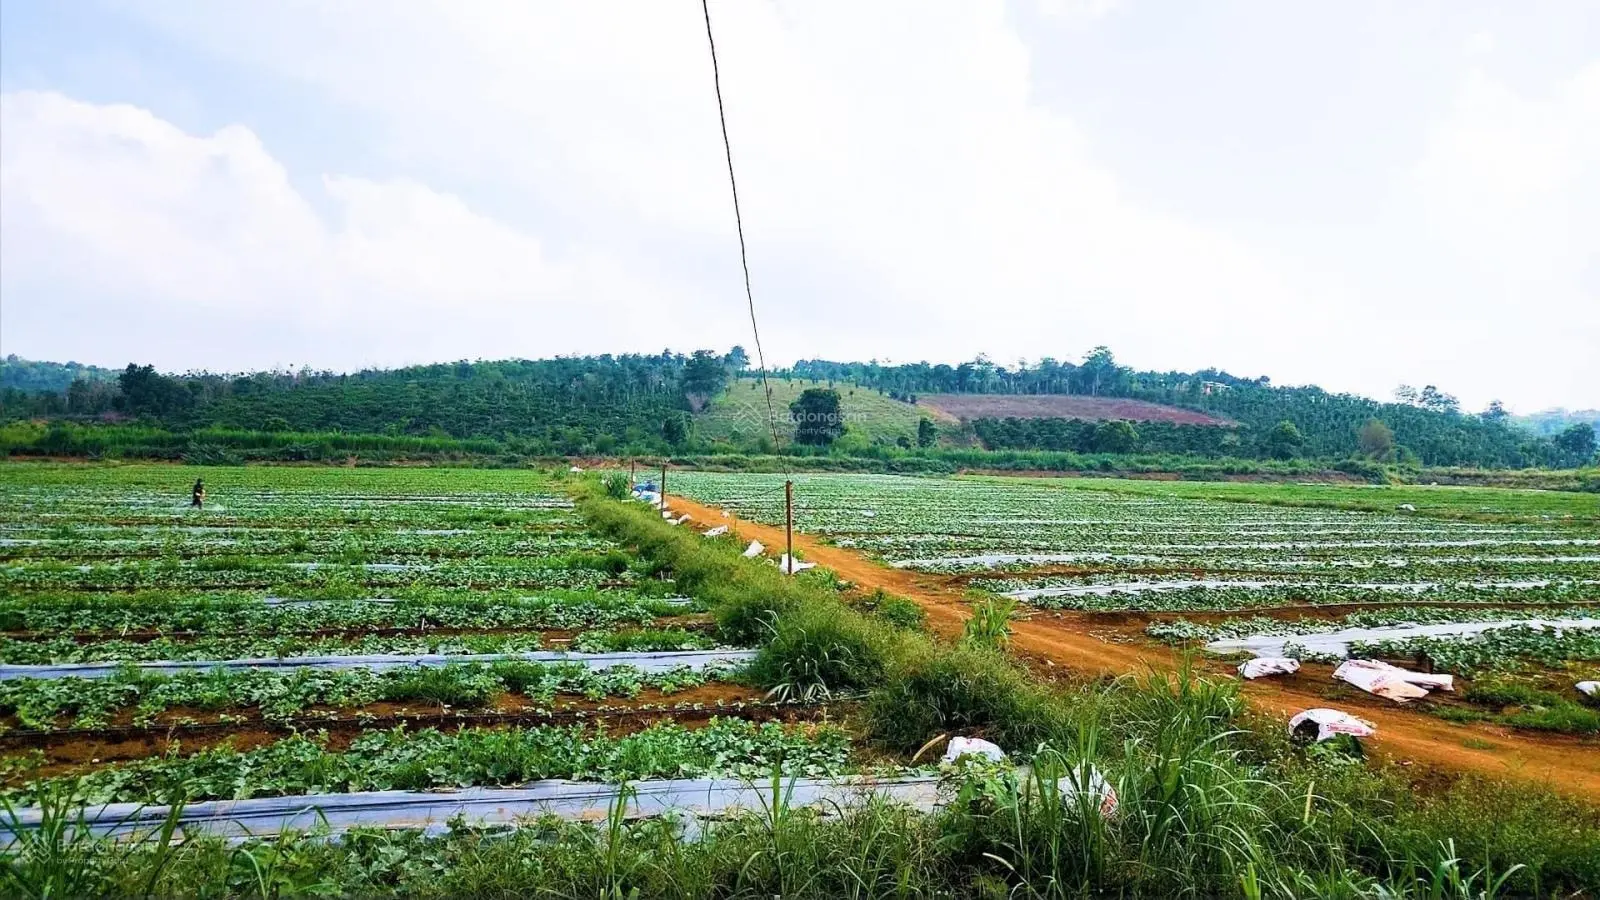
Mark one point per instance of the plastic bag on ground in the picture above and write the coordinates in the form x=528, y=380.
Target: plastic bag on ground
x=1098, y=786
x=753, y=550
x=960, y=746
x=1268, y=665
x=575, y=470
x=1392, y=682
x=1592, y=688
x=789, y=568
x=719, y=530
x=1332, y=723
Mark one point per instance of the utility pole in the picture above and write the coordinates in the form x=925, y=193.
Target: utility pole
x=663, y=484
x=788, y=523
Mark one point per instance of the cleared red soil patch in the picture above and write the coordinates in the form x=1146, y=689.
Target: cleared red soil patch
x=1089, y=647
x=1062, y=406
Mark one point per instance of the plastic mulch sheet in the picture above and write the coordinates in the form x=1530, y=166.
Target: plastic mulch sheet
x=580, y=801
x=1338, y=642
x=645, y=662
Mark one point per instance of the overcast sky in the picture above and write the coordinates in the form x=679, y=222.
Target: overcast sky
x=1351, y=194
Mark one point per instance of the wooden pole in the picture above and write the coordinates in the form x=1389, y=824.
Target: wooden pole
x=633, y=465
x=788, y=522
x=663, y=484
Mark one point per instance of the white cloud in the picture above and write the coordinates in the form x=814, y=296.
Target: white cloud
x=112, y=202
x=1504, y=167
x=907, y=195
x=1509, y=187
x=1078, y=10
x=898, y=177
x=1479, y=43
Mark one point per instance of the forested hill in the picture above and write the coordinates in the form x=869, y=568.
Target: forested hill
x=1426, y=425
x=32, y=376
x=1551, y=422
x=562, y=405
x=646, y=403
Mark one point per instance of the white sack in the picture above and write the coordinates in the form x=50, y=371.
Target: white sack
x=720, y=529
x=753, y=550
x=960, y=746
x=1268, y=665
x=1393, y=682
x=1331, y=722
x=784, y=564
x=1592, y=688
x=1098, y=786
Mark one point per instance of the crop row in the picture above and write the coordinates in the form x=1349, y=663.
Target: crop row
x=1414, y=565
x=1499, y=649
x=85, y=509
x=573, y=571
x=241, y=613
x=342, y=544
x=280, y=696
x=400, y=759
x=1179, y=596
x=1182, y=630
x=67, y=650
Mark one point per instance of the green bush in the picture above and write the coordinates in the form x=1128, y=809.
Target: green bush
x=616, y=485
x=902, y=613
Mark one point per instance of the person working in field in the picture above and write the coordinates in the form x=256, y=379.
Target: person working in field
x=199, y=493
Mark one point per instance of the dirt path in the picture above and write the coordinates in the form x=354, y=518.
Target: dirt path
x=1570, y=765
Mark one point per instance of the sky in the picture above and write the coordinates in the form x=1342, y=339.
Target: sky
x=1355, y=195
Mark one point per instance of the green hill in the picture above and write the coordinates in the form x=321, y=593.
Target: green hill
x=635, y=404
x=739, y=415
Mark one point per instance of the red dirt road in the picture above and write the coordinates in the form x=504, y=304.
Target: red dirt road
x=1568, y=765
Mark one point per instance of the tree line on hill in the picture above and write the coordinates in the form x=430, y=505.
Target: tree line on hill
x=594, y=404
x=1425, y=426
x=642, y=404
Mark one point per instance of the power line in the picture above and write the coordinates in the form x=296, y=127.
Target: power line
x=738, y=220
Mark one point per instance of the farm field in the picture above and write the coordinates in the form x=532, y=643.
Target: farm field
x=1139, y=562
x=1481, y=504
x=512, y=683
x=323, y=630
